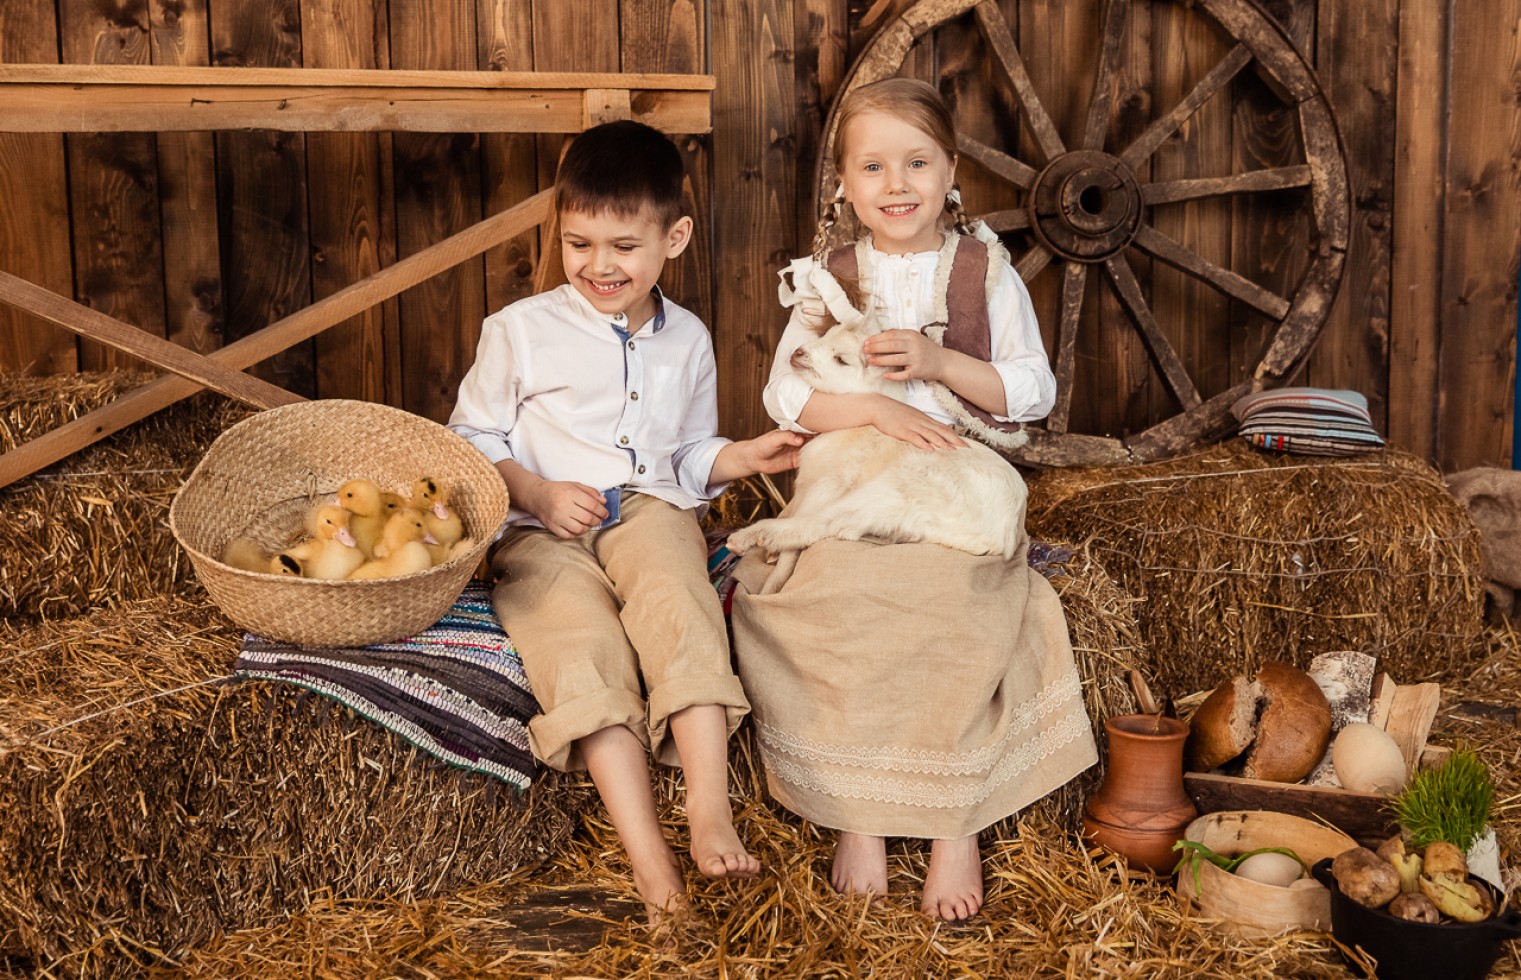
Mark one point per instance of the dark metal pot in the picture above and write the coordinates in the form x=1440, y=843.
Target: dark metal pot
x=1407, y=950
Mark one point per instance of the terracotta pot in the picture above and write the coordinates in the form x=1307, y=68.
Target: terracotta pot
x=1141, y=810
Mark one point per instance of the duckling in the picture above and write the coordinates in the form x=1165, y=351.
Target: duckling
x=368, y=512
x=246, y=553
x=331, y=551
x=432, y=499
x=402, y=549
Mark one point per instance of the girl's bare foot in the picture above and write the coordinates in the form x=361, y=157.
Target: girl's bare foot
x=657, y=878
x=860, y=865
x=717, y=850
x=953, y=885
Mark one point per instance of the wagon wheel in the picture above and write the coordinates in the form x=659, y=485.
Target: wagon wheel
x=1086, y=206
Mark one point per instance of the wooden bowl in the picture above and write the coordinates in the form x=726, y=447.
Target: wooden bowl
x=1249, y=908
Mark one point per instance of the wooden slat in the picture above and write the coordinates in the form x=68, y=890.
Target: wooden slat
x=1482, y=238
x=1364, y=816
x=1115, y=27
x=1159, y=245
x=1162, y=352
x=34, y=235
x=438, y=193
x=1419, y=189
x=1001, y=41
x=1146, y=144
x=261, y=191
x=113, y=188
x=187, y=192
x=299, y=326
x=755, y=229
x=139, y=343
x=1356, y=61
x=1074, y=281
x=671, y=36
x=45, y=98
x=504, y=33
x=1016, y=172
x=348, y=234
x=822, y=42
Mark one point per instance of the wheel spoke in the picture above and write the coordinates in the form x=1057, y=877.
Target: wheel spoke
x=1109, y=56
x=1162, y=354
x=1146, y=144
x=1001, y=39
x=1191, y=189
x=1030, y=263
x=1011, y=220
x=1153, y=242
x=1016, y=172
x=1074, y=279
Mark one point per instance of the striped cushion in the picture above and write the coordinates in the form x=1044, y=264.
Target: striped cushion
x=1316, y=421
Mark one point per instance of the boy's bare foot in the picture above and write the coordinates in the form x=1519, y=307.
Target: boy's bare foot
x=953, y=884
x=860, y=865
x=717, y=850
x=657, y=878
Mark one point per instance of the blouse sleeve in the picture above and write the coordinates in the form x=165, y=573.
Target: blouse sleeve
x=786, y=393
x=1019, y=356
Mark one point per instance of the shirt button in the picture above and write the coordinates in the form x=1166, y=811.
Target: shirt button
x=633, y=396
x=623, y=440
x=641, y=467
x=630, y=345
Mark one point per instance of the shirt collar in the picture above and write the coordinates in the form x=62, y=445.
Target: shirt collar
x=657, y=323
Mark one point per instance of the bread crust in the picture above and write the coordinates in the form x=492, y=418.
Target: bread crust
x=1223, y=727
x=1293, y=728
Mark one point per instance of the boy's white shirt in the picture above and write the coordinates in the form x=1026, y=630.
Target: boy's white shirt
x=557, y=389
x=903, y=287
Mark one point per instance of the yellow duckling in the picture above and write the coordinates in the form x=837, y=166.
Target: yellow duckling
x=331, y=551
x=443, y=522
x=402, y=549
x=246, y=553
x=368, y=512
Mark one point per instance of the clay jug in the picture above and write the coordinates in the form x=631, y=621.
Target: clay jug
x=1140, y=809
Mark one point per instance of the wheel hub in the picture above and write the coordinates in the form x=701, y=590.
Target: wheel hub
x=1086, y=205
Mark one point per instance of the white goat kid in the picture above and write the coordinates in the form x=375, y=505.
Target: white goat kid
x=861, y=485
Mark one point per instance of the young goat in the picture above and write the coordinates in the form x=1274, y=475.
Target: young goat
x=861, y=485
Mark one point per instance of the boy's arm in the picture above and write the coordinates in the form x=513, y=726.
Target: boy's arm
x=775, y=452
x=564, y=508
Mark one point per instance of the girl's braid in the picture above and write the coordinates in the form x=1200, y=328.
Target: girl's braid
x=959, y=219
x=827, y=220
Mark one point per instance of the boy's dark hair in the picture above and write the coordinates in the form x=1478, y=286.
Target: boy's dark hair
x=622, y=168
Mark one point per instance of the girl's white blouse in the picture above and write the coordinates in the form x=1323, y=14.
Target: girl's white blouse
x=903, y=289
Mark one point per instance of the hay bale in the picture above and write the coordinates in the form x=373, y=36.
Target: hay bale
x=93, y=528
x=1240, y=557
x=146, y=806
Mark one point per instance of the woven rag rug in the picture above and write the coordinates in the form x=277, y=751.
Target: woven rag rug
x=456, y=690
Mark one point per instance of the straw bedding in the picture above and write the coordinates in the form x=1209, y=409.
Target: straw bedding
x=91, y=529
x=1239, y=556
x=144, y=807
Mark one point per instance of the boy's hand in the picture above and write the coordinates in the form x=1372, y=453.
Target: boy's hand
x=774, y=452
x=893, y=418
x=566, y=509
x=914, y=355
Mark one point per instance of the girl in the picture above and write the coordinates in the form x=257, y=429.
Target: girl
x=908, y=689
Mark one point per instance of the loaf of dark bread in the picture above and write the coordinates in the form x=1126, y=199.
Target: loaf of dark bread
x=1293, y=727
x=1223, y=727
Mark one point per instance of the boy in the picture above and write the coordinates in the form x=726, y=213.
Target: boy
x=603, y=383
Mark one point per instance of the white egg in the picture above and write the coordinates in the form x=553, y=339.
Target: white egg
x=1368, y=760
x=1270, y=868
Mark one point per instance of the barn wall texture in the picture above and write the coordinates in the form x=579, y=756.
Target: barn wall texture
x=205, y=237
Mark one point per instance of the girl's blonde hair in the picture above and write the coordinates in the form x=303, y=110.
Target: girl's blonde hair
x=915, y=102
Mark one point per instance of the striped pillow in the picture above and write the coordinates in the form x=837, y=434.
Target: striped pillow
x=1316, y=421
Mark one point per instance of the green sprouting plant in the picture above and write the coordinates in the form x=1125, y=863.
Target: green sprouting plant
x=1195, y=852
x=1449, y=803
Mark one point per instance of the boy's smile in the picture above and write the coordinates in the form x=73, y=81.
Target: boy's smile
x=614, y=260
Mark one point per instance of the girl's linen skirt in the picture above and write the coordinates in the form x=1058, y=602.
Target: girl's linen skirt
x=909, y=690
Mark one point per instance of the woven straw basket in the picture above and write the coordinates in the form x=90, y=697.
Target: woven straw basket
x=260, y=477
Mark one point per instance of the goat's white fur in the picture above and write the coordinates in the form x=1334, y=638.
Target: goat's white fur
x=861, y=485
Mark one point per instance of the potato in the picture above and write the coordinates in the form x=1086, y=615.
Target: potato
x=1414, y=908
x=1365, y=877
x=1442, y=858
x=1407, y=863
x=1456, y=898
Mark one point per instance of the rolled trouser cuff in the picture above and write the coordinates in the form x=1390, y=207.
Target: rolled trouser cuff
x=553, y=735
x=686, y=692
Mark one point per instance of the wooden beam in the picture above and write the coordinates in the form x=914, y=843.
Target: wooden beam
x=301, y=325
x=133, y=98
x=124, y=337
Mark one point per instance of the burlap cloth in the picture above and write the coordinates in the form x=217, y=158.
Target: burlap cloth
x=909, y=690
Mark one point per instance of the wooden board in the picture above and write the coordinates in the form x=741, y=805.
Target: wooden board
x=34, y=237
x=509, y=168
x=1359, y=815
x=187, y=192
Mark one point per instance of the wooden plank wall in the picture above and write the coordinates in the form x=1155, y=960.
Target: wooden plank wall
x=203, y=237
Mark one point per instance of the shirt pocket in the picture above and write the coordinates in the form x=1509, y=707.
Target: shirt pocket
x=668, y=394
